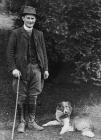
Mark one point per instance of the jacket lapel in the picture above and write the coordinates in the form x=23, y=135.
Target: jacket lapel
x=35, y=37
x=24, y=33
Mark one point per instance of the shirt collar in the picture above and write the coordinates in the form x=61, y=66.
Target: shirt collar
x=28, y=29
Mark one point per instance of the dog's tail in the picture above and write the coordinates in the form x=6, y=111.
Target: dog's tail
x=88, y=134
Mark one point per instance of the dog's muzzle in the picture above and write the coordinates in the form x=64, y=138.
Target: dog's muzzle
x=67, y=111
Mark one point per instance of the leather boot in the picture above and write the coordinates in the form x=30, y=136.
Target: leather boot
x=21, y=126
x=33, y=124
x=32, y=111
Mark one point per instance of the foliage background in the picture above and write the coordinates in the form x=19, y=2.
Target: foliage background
x=72, y=34
x=72, y=30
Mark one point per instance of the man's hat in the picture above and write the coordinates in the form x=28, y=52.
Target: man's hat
x=29, y=10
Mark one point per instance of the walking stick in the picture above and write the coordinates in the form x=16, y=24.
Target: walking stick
x=15, y=109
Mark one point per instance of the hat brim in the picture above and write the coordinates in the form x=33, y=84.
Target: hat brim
x=23, y=14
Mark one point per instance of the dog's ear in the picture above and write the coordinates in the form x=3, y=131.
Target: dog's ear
x=70, y=106
x=71, y=109
x=59, y=106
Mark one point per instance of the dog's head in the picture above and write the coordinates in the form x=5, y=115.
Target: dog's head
x=65, y=107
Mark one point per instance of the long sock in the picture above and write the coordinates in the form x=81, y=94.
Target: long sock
x=32, y=107
x=21, y=112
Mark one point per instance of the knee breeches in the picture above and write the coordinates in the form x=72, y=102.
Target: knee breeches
x=30, y=87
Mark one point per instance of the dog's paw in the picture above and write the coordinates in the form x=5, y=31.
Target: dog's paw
x=66, y=129
x=88, y=134
x=63, y=130
x=44, y=125
x=70, y=128
x=61, y=133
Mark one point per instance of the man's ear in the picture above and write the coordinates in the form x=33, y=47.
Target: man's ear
x=23, y=18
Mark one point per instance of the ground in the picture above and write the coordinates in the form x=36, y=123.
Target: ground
x=85, y=98
x=51, y=95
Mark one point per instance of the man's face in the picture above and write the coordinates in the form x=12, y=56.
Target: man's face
x=29, y=20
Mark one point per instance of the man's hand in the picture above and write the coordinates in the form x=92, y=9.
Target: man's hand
x=16, y=73
x=46, y=74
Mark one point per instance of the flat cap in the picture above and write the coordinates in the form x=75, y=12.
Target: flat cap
x=29, y=10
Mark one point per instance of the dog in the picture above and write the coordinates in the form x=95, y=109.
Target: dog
x=81, y=123
x=62, y=115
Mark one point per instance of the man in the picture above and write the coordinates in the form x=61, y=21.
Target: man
x=27, y=59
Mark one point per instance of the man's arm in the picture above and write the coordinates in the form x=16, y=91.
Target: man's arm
x=11, y=52
x=46, y=73
x=44, y=52
x=11, y=55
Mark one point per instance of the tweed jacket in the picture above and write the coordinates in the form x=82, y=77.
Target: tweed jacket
x=17, y=50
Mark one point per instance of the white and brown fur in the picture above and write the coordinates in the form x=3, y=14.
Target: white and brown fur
x=81, y=123
x=63, y=112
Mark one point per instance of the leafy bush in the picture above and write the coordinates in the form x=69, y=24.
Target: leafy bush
x=72, y=31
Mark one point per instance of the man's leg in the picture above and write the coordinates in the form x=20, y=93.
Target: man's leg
x=34, y=90
x=32, y=115
x=21, y=102
x=21, y=126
